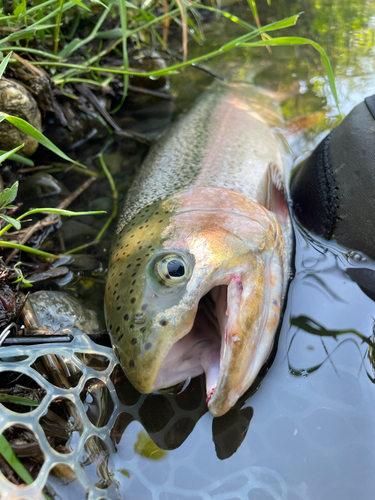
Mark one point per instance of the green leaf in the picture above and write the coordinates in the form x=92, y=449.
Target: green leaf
x=9, y=194
x=14, y=222
x=12, y=459
x=100, y=3
x=21, y=277
x=20, y=9
x=7, y=154
x=33, y=132
x=4, y=64
x=82, y=5
x=147, y=448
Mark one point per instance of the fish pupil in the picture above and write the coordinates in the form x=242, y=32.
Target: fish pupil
x=176, y=268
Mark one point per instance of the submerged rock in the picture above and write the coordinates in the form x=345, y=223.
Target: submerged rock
x=56, y=310
x=16, y=100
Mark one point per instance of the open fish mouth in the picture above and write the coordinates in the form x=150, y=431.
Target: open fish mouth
x=213, y=346
x=201, y=349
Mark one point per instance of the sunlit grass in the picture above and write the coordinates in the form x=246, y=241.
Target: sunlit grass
x=138, y=22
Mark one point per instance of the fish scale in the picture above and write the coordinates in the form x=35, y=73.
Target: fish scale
x=210, y=198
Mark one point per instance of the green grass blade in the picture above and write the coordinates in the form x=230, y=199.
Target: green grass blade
x=58, y=211
x=82, y=5
x=19, y=158
x=124, y=34
x=7, y=154
x=19, y=35
x=18, y=400
x=37, y=52
x=14, y=462
x=35, y=251
x=3, y=66
x=296, y=40
x=24, y=126
x=71, y=47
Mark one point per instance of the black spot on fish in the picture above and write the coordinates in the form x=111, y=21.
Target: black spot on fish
x=138, y=243
x=156, y=213
x=115, y=291
x=116, y=284
x=110, y=327
x=133, y=283
x=147, y=255
x=132, y=300
x=131, y=327
x=131, y=291
x=108, y=288
x=161, y=220
x=132, y=276
x=141, y=227
x=129, y=265
x=138, y=265
x=149, y=246
x=126, y=246
x=148, y=346
x=139, y=258
x=126, y=317
x=121, y=274
x=140, y=248
x=120, y=337
x=132, y=236
x=118, y=308
x=134, y=341
x=163, y=322
x=118, y=296
x=117, y=329
x=131, y=363
x=143, y=329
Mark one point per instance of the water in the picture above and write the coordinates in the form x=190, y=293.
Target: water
x=308, y=432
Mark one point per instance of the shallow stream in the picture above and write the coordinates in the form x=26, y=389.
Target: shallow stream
x=308, y=432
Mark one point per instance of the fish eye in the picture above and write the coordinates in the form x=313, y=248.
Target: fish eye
x=172, y=270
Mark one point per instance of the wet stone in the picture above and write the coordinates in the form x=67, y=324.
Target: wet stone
x=56, y=310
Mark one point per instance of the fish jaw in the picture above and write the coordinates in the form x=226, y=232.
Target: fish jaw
x=252, y=315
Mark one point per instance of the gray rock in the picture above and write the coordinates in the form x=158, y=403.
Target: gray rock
x=56, y=310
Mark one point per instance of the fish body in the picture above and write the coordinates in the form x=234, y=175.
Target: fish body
x=200, y=264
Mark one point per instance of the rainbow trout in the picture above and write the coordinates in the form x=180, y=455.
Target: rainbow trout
x=200, y=264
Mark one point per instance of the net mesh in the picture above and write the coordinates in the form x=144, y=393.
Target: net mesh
x=89, y=445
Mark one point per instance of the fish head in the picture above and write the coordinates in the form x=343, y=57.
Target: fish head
x=197, y=290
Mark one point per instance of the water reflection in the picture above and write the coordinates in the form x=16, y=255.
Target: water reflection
x=170, y=417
